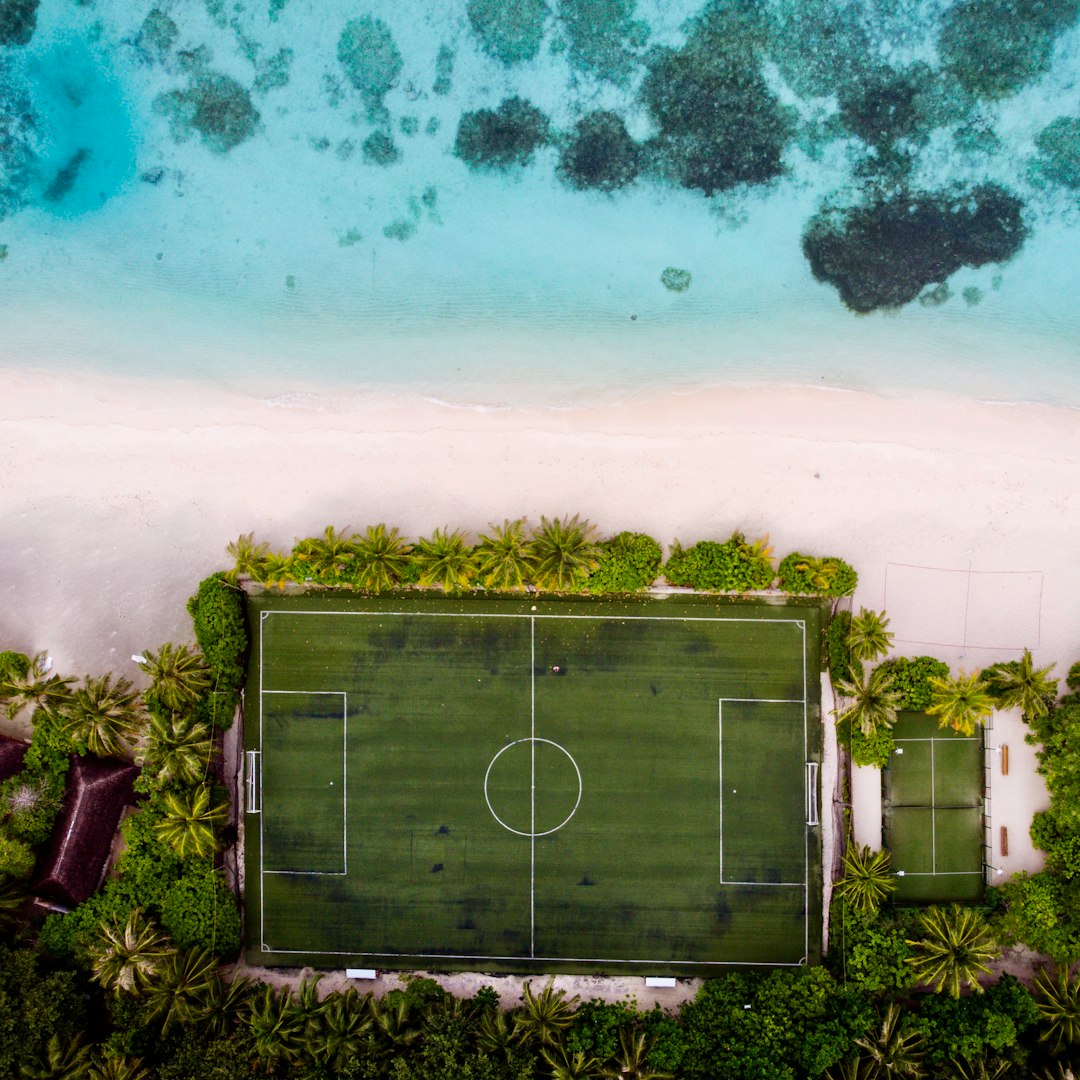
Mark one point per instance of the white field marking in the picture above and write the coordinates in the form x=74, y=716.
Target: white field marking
x=519, y=832
x=805, y=884
x=933, y=813
x=532, y=792
x=344, y=872
x=943, y=873
x=770, y=884
x=801, y=962
x=940, y=738
x=801, y=624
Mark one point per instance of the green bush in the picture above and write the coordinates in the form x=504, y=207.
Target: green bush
x=217, y=610
x=911, y=679
x=1042, y=911
x=869, y=951
x=872, y=750
x=629, y=562
x=816, y=575
x=16, y=856
x=200, y=910
x=836, y=654
x=32, y=798
x=13, y=666
x=733, y=566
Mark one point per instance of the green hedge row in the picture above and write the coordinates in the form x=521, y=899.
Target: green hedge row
x=217, y=612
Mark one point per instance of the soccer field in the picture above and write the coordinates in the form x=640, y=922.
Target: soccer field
x=532, y=784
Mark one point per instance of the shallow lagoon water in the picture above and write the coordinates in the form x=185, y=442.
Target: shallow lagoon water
x=275, y=253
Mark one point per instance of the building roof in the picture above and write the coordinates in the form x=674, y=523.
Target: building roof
x=12, y=752
x=98, y=789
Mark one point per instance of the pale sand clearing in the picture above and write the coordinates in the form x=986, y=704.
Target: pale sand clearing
x=119, y=495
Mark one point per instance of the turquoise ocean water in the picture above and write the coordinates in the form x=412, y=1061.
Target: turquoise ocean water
x=521, y=201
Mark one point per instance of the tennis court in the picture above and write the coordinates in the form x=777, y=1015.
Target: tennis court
x=532, y=784
x=933, y=812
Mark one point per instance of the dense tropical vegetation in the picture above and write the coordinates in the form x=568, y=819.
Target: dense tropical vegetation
x=131, y=983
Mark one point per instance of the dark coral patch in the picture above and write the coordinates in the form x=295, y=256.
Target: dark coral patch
x=600, y=154
x=883, y=255
x=18, y=20
x=501, y=138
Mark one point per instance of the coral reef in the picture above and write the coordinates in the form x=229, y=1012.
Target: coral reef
x=273, y=72
x=18, y=20
x=215, y=106
x=157, y=35
x=719, y=123
x=444, y=71
x=993, y=48
x=599, y=154
x=370, y=58
x=1058, y=159
x=503, y=137
x=379, y=149
x=510, y=30
x=18, y=143
x=884, y=254
x=819, y=45
x=66, y=177
x=675, y=280
x=601, y=35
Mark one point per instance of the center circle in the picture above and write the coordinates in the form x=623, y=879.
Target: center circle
x=532, y=787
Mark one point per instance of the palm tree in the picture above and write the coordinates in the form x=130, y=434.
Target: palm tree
x=61, y=1061
x=35, y=687
x=112, y=1066
x=631, y=1061
x=189, y=821
x=868, y=637
x=868, y=879
x=177, y=750
x=1018, y=684
x=103, y=716
x=395, y=1024
x=851, y=1068
x=983, y=1067
x=564, y=551
x=326, y=556
x=445, y=559
x=567, y=1065
x=344, y=1023
x=873, y=701
x=504, y=559
x=248, y=557
x=13, y=896
x=1058, y=1002
x=497, y=1033
x=181, y=987
x=178, y=675
x=891, y=1051
x=275, y=570
x=544, y=1016
x=820, y=571
x=126, y=958
x=960, y=703
x=954, y=950
x=381, y=557
x=275, y=1025
x=215, y=1007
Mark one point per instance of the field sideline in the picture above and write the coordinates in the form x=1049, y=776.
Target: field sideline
x=532, y=784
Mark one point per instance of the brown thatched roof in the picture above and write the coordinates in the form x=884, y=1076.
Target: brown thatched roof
x=98, y=789
x=12, y=752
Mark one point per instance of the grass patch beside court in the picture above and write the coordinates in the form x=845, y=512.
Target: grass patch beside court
x=532, y=784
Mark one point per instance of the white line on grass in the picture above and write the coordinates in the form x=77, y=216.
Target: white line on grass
x=720, y=770
x=933, y=813
x=524, y=615
x=532, y=792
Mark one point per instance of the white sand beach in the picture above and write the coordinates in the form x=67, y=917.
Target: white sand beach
x=119, y=495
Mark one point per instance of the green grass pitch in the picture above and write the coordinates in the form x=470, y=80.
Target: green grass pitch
x=933, y=812
x=532, y=784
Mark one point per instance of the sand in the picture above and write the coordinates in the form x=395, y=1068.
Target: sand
x=119, y=495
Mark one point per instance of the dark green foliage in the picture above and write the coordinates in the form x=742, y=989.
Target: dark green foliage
x=629, y=562
x=370, y=58
x=733, y=566
x=501, y=138
x=41, y=782
x=719, y=123
x=16, y=857
x=1058, y=161
x=1072, y=679
x=599, y=154
x=191, y=1054
x=13, y=665
x=816, y=575
x=379, y=149
x=870, y=951
x=969, y=1026
x=217, y=612
x=911, y=678
x=35, y=1004
x=599, y=32
x=18, y=20
x=994, y=47
x=199, y=909
x=217, y=107
x=836, y=652
x=798, y=1021
x=883, y=255
x=510, y=30
x=870, y=750
x=1042, y=911
x=595, y=1028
